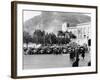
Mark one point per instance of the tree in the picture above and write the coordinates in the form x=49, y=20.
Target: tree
x=50, y=38
x=47, y=41
x=27, y=38
x=39, y=36
x=53, y=39
x=63, y=37
x=72, y=35
x=60, y=34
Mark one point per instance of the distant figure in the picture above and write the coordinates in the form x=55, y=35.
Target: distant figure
x=76, y=63
x=89, y=63
x=89, y=42
x=83, y=53
x=77, y=53
x=72, y=54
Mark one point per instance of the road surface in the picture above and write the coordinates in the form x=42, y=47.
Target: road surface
x=52, y=61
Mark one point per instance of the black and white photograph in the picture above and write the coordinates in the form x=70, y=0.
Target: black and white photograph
x=53, y=39
x=56, y=39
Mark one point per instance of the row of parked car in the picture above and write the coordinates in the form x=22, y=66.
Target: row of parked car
x=52, y=50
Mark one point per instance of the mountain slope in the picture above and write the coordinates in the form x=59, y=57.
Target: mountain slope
x=52, y=21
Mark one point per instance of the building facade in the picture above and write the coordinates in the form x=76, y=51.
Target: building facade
x=81, y=31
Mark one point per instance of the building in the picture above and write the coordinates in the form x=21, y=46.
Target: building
x=82, y=31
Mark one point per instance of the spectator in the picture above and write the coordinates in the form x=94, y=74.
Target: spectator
x=89, y=63
x=76, y=63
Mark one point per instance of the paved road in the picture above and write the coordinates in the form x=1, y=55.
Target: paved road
x=51, y=61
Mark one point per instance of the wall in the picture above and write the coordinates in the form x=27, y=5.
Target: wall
x=5, y=41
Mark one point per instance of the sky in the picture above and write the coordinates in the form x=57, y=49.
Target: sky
x=29, y=14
